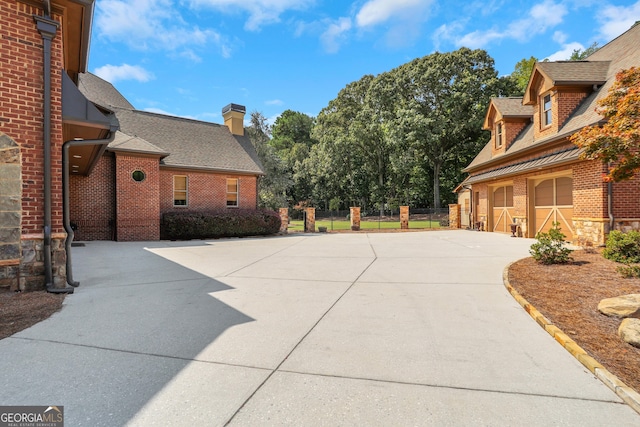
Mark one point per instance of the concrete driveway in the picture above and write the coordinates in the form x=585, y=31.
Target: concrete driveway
x=326, y=329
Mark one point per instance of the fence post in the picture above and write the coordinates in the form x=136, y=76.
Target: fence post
x=454, y=216
x=284, y=220
x=404, y=217
x=355, y=218
x=310, y=223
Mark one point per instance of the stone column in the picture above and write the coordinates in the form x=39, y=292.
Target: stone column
x=355, y=219
x=310, y=223
x=454, y=216
x=404, y=217
x=284, y=220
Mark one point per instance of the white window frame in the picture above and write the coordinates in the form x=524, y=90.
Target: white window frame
x=499, y=135
x=237, y=192
x=185, y=191
x=547, y=113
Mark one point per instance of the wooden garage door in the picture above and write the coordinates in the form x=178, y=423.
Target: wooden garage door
x=502, y=208
x=553, y=202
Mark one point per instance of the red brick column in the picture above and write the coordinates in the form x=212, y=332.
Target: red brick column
x=454, y=216
x=310, y=223
x=404, y=217
x=355, y=218
x=284, y=220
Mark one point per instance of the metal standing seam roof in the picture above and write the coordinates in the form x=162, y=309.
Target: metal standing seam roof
x=554, y=159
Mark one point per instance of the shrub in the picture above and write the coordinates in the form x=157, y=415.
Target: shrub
x=629, y=271
x=223, y=223
x=623, y=247
x=550, y=247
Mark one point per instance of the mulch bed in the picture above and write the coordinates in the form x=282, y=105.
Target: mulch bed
x=568, y=295
x=19, y=310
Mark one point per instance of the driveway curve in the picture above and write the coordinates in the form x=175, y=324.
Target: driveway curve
x=332, y=329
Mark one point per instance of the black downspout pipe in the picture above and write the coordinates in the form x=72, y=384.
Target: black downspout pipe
x=65, y=196
x=47, y=28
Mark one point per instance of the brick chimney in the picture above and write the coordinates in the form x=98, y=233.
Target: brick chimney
x=234, y=118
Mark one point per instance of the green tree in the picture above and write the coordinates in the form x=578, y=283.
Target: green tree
x=291, y=138
x=443, y=100
x=522, y=72
x=617, y=142
x=579, y=54
x=273, y=186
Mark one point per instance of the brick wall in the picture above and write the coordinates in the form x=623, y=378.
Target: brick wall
x=568, y=100
x=92, y=201
x=138, y=203
x=21, y=114
x=21, y=108
x=206, y=190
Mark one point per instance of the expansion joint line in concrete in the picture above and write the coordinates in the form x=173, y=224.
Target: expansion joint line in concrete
x=261, y=259
x=626, y=393
x=277, y=368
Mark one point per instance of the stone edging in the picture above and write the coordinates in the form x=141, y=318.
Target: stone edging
x=626, y=393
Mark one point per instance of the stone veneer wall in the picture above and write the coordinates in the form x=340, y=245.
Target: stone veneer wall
x=10, y=211
x=454, y=216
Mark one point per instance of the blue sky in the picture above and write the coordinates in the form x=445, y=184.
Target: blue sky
x=190, y=58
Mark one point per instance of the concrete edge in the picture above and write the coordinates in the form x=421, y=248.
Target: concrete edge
x=624, y=392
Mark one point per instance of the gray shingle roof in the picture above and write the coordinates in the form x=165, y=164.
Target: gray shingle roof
x=192, y=143
x=186, y=143
x=101, y=92
x=124, y=142
x=575, y=72
x=619, y=54
x=512, y=107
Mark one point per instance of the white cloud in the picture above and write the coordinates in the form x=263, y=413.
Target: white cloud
x=113, y=73
x=566, y=52
x=617, y=19
x=335, y=34
x=261, y=12
x=559, y=37
x=166, y=113
x=152, y=24
x=274, y=102
x=540, y=18
x=376, y=12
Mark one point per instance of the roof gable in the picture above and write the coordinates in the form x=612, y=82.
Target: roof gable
x=510, y=107
x=546, y=75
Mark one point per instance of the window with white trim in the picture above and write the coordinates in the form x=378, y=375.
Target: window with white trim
x=232, y=192
x=179, y=190
x=499, y=135
x=547, y=116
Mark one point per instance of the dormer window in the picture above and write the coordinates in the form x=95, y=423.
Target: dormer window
x=547, y=116
x=499, y=135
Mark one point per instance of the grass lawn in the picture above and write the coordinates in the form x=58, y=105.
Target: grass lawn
x=296, y=225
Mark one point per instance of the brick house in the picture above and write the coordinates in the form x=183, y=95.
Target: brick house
x=158, y=163
x=43, y=48
x=530, y=174
x=63, y=159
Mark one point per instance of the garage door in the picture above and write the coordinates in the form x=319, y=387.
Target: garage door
x=553, y=202
x=502, y=209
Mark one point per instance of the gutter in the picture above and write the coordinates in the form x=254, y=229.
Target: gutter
x=65, y=195
x=47, y=28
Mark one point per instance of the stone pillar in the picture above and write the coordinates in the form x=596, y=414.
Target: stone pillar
x=404, y=217
x=284, y=220
x=355, y=218
x=454, y=216
x=310, y=223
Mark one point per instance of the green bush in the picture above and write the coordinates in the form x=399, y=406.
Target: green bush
x=629, y=271
x=214, y=224
x=623, y=247
x=550, y=247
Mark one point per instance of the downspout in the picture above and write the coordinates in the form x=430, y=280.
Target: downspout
x=610, y=205
x=47, y=28
x=66, y=217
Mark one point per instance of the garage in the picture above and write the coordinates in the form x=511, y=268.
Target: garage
x=553, y=202
x=502, y=208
